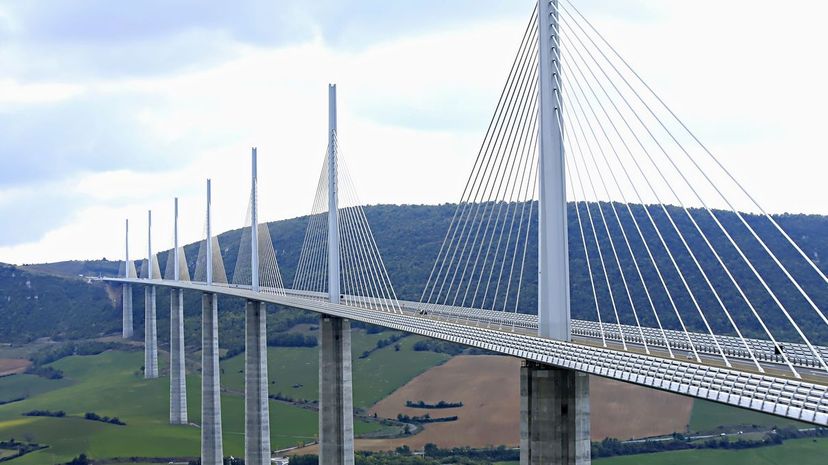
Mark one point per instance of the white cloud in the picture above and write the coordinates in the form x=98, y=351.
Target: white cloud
x=412, y=112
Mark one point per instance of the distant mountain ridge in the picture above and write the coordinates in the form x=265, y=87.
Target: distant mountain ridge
x=409, y=237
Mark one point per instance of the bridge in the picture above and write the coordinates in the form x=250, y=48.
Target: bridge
x=638, y=230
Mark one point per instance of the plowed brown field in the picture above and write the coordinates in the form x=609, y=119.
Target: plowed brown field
x=488, y=386
x=10, y=366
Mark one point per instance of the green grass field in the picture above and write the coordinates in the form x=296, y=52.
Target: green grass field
x=375, y=377
x=798, y=451
x=17, y=386
x=112, y=384
x=708, y=416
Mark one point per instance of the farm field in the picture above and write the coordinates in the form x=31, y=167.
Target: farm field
x=805, y=451
x=708, y=416
x=294, y=371
x=112, y=384
x=10, y=366
x=488, y=386
x=799, y=451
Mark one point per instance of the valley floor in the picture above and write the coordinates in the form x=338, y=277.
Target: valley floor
x=386, y=376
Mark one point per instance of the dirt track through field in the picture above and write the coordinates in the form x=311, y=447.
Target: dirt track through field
x=488, y=386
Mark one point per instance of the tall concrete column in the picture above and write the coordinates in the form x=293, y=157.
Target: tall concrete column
x=150, y=330
x=126, y=296
x=150, y=335
x=256, y=408
x=126, y=327
x=178, y=372
x=554, y=416
x=336, y=411
x=212, y=451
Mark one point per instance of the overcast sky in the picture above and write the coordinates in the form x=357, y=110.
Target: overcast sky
x=108, y=109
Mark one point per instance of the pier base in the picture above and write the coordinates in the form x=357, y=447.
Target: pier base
x=150, y=335
x=212, y=452
x=256, y=409
x=336, y=412
x=178, y=379
x=126, y=297
x=554, y=416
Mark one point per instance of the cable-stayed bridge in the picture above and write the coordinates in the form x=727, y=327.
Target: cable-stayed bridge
x=589, y=196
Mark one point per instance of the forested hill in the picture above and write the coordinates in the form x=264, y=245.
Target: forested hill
x=410, y=236
x=36, y=304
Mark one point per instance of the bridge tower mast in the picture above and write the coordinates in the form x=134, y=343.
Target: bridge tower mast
x=256, y=411
x=336, y=420
x=554, y=402
x=126, y=329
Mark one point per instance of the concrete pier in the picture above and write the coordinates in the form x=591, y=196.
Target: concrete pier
x=554, y=416
x=178, y=380
x=211, y=447
x=150, y=335
x=126, y=327
x=256, y=408
x=336, y=412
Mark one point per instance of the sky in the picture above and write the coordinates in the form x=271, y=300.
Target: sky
x=108, y=109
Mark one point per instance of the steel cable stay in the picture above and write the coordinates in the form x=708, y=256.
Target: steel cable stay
x=529, y=151
x=495, y=195
x=656, y=195
x=495, y=116
x=722, y=228
x=479, y=196
x=310, y=274
x=642, y=203
x=451, y=232
x=242, y=271
x=690, y=216
x=578, y=121
x=534, y=184
x=372, y=258
x=524, y=198
x=604, y=222
x=506, y=128
x=527, y=132
x=481, y=167
x=368, y=287
x=727, y=172
x=495, y=199
x=598, y=248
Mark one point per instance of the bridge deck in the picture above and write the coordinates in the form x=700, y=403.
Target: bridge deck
x=805, y=400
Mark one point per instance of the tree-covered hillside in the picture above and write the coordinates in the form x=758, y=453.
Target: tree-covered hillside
x=409, y=238
x=36, y=304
